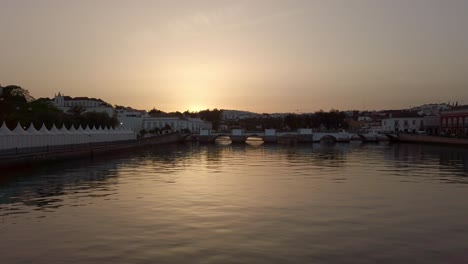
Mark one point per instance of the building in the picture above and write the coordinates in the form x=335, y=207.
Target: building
x=403, y=124
x=65, y=103
x=175, y=123
x=364, y=119
x=454, y=122
x=130, y=118
x=430, y=109
x=432, y=125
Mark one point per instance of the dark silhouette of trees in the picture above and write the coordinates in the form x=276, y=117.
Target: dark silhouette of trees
x=16, y=106
x=155, y=112
x=214, y=116
x=76, y=110
x=332, y=120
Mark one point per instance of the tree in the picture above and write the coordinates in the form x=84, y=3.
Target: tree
x=167, y=127
x=155, y=112
x=76, y=110
x=214, y=116
x=155, y=131
x=143, y=132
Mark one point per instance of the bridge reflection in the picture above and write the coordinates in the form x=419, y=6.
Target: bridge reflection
x=46, y=187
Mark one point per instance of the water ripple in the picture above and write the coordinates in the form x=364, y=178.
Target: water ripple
x=343, y=203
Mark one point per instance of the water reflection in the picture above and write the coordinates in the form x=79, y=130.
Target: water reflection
x=439, y=163
x=252, y=203
x=45, y=186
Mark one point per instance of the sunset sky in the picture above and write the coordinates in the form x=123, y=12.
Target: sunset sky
x=262, y=56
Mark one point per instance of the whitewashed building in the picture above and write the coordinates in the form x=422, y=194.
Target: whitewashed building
x=131, y=118
x=65, y=103
x=403, y=124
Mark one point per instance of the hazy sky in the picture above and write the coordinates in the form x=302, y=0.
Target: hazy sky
x=263, y=56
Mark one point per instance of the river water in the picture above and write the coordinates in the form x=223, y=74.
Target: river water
x=254, y=203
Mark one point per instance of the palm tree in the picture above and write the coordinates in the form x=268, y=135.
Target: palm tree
x=76, y=110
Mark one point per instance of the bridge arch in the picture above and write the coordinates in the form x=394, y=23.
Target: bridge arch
x=221, y=135
x=254, y=136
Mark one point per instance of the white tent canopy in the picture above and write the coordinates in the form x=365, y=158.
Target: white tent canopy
x=6, y=137
x=34, y=136
x=21, y=138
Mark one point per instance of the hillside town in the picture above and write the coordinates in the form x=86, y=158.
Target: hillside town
x=438, y=119
x=444, y=119
x=129, y=118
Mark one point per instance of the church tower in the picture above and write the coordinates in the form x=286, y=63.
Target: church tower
x=59, y=100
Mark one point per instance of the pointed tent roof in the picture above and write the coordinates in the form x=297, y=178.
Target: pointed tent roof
x=64, y=130
x=54, y=130
x=80, y=129
x=4, y=130
x=94, y=130
x=87, y=130
x=32, y=130
x=19, y=130
x=44, y=129
x=72, y=130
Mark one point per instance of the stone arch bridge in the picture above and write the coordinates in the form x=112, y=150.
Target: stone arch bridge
x=303, y=135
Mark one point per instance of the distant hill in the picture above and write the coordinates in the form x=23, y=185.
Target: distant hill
x=237, y=114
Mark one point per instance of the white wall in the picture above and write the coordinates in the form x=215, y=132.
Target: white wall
x=404, y=124
x=20, y=138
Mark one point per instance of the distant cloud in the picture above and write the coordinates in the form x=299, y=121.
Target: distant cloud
x=228, y=18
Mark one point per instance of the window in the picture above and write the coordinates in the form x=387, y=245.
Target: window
x=406, y=122
x=414, y=122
